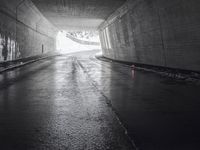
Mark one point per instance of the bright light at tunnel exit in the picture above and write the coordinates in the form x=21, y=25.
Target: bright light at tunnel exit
x=65, y=45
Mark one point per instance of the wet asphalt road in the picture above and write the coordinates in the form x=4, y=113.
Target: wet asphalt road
x=73, y=102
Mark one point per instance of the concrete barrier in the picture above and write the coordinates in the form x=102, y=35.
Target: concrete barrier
x=154, y=32
x=24, y=32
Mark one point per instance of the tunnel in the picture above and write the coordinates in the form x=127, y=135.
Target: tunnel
x=138, y=87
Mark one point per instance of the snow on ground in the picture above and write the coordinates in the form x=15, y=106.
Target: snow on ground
x=65, y=45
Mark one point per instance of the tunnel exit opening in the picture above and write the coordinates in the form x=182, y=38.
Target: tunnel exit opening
x=77, y=41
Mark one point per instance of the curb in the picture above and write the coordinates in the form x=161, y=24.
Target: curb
x=186, y=77
x=26, y=63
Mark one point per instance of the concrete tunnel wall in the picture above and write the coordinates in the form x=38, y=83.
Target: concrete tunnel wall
x=24, y=32
x=155, y=32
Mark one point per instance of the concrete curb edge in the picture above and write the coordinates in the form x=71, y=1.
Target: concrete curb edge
x=26, y=63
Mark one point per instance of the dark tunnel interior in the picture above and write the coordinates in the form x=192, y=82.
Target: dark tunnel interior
x=99, y=75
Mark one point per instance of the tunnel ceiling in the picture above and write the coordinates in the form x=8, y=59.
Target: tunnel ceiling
x=76, y=14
